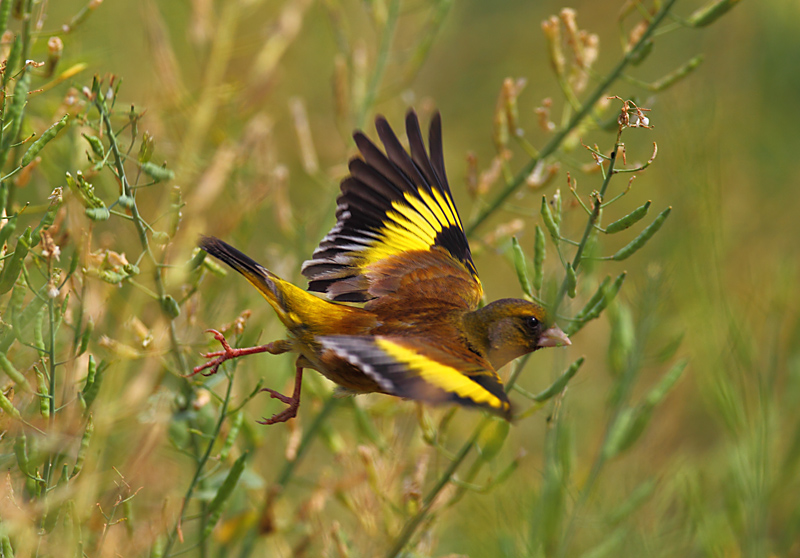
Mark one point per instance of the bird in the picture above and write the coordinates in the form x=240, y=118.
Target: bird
x=393, y=304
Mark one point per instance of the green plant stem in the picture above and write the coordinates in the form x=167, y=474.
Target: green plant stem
x=380, y=62
x=417, y=519
x=290, y=466
x=308, y=436
x=412, y=524
x=200, y=465
x=141, y=228
x=590, y=225
x=626, y=384
x=556, y=141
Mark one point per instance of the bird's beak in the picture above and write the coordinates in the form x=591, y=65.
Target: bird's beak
x=554, y=337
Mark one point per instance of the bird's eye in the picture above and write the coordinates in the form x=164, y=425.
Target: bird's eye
x=531, y=323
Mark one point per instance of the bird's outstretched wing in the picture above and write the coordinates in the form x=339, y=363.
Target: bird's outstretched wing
x=396, y=217
x=413, y=368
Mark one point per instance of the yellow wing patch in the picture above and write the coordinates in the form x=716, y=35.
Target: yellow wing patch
x=440, y=375
x=415, y=369
x=392, y=203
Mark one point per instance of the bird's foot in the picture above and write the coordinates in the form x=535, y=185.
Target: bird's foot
x=228, y=353
x=294, y=401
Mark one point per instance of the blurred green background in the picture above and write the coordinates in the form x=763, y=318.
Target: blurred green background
x=222, y=84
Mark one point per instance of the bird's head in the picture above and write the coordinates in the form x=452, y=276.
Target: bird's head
x=509, y=328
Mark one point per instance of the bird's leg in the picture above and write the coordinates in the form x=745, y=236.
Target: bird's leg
x=227, y=353
x=294, y=401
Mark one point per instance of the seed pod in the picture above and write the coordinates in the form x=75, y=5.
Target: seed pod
x=38, y=327
x=236, y=425
x=74, y=261
x=16, y=111
x=628, y=250
x=21, y=452
x=7, y=231
x=622, y=337
x=156, y=172
x=605, y=293
x=5, y=11
x=170, y=307
x=160, y=237
x=84, y=447
x=710, y=13
x=608, y=295
x=91, y=387
x=85, y=336
x=16, y=376
x=43, y=393
x=214, y=267
x=562, y=381
x=43, y=140
x=197, y=259
x=146, y=148
x=521, y=265
x=549, y=222
x=491, y=439
x=596, y=297
x=665, y=385
x=131, y=269
x=676, y=75
x=214, y=510
x=538, y=259
x=84, y=190
x=13, y=268
x=8, y=408
x=572, y=280
x=96, y=145
x=126, y=202
x=98, y=213
x=621, y=435
x=13, y=61
x=631, y=219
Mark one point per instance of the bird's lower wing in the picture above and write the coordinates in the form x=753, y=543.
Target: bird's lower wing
x=415, y=369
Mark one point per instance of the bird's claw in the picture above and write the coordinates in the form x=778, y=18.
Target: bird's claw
x=294, y=401
x=219, y=357
x=289, y=413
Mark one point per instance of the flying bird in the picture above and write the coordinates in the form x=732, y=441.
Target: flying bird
x=399, y=311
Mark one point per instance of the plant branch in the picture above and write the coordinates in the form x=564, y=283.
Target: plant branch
x=556, y=141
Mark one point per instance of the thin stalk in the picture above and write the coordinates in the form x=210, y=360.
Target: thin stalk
x=141, y=228
x=412, y=524
x=200, y=465
x=558, y=138
x=380, y=62
x=417, y=519
x=590, y=224
x=626, y=385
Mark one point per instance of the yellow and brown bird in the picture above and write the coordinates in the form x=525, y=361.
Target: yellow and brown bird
x=400, y=313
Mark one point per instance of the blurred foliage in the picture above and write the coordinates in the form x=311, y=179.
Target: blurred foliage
x=669, y=427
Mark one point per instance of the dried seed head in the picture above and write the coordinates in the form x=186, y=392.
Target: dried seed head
x=552, y=32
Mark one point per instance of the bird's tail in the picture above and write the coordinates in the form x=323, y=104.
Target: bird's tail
x=300, y=311
x=277, y=291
